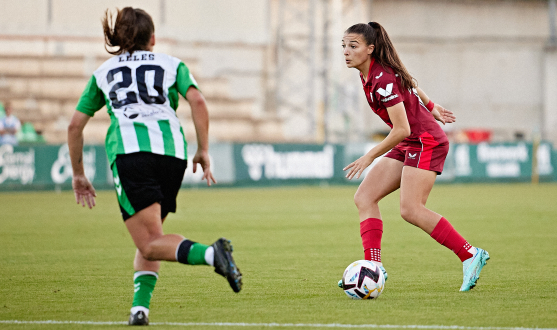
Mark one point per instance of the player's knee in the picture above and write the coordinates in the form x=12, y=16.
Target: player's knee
x=360, y=200
x=408, y=212
x=148, y=251
x=364, y=200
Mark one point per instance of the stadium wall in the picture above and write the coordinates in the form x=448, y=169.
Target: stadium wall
x=488, y=61
x=260, y=164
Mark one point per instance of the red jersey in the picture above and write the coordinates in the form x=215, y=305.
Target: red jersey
x=383, y=89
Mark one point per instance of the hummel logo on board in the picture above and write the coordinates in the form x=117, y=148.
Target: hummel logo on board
x=412, y=156
x=379, y=76
x=387, y=91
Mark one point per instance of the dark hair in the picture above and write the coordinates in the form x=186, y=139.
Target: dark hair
x=132, y=30
x=384, y=52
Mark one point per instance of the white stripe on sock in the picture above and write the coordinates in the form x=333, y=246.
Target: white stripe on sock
x=140, y=308
x=144, y=272
x=210, y=256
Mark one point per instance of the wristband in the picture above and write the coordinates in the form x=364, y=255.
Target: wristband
x=430, y=105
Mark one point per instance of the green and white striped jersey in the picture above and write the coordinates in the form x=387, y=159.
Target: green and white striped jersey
x=141, y=94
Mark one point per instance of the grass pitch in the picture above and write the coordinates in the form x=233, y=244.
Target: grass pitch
x=62, y=262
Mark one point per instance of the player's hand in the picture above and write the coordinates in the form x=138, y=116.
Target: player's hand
x=202, y=158
x=443, y=115
x=83, y=191
x=358, y=166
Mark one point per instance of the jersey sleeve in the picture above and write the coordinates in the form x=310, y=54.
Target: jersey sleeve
x=92, y=99
x=387, y=91
x=184, y=79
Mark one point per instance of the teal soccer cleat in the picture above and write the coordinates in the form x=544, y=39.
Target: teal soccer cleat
x=472, y=268
x=382, y=269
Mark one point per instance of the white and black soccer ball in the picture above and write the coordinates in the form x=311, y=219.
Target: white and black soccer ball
x=363, y=279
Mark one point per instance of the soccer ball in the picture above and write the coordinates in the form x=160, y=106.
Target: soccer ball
x=363, y=279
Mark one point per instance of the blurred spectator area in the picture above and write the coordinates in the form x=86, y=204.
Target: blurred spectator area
x=273, y=70
x=44, y=90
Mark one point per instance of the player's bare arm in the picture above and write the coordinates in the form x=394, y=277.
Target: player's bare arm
x=83, y=189
x=200, y=116
x=439, y=112
x=400, y=131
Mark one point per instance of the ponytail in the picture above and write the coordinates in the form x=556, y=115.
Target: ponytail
x=131, y=31
x=384, y=52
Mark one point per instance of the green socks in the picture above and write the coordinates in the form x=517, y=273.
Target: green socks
x=197, y=254
x=193, y=253
x=143, y=285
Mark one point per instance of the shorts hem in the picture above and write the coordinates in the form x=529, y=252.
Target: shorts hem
x=426, y=169
x=126, y=215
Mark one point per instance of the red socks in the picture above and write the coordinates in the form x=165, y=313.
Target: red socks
x=445, y=234
x=371, y=231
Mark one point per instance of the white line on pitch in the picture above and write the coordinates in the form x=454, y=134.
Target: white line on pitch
x=284, y=325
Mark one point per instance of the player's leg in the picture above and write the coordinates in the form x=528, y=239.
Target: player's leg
x=145, y=228
x=135, y=192
x=147, y=188
x=218, y=254
x=139, y=193
x=144, y=281
x=142, y=264
x=144, y=181
x=381, y=180
x=416, y=185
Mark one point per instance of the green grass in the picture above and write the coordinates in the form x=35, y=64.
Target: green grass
x=62, y=262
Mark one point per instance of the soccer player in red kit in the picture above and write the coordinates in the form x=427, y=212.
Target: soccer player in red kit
x=416, y=148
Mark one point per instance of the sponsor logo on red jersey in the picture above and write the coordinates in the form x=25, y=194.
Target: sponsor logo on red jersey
x=387, y=91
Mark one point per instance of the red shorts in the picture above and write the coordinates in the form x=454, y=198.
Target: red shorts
x=426, y=153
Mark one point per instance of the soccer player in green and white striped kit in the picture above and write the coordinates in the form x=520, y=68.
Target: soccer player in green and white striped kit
x=147, y=150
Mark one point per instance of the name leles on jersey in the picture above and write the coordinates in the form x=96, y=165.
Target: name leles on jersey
x=135, y=57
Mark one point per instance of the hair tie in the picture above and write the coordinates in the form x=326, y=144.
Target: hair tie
x=372, y=24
